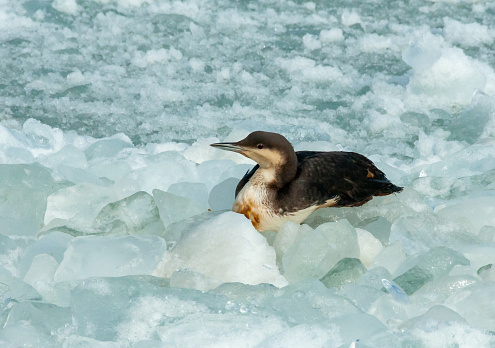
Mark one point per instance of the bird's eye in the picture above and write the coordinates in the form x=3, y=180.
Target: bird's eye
x=260, y=146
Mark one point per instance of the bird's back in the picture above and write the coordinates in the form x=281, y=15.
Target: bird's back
x=347, y=178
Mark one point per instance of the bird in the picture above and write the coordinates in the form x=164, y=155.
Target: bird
x=286, y=185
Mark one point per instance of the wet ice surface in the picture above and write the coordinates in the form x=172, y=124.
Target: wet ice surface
x=114, y=222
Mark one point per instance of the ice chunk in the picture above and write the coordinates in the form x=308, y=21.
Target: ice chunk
x=395, y=290
x=390, y=257
x=315, y=252
x=472, y=213
x=471, y=123
x=107, y=147
x=306, y=335
x=226, y=248
x=445, y=73
x=421, y=231
x=86, y=342
x=53, y=244
x=67, y=156
x=192, y=280
x=227, y=330
x=174, y=208
x=475, y=304
x=95, y=256
x=347, y=270
x=11, y=250
x=21, y=334
x=433, y=264
x=196, y=192
x=24, y=192
x=369, y=246
x=332, y=35
x=17, y=289
x=438, y=290
x=362, y=296
x=41, y=271
x=210, y=171
x=79, y=204
x=437, y=314
x=39, y=135
x=423, y=54
x=286, y=236
x=357, y=327
x=45, y=318
x=467, y=34
x=66, y=6
x=136, y=214
x=222, y=195
x=130, y=309
x=309, y=301
x=378, y=226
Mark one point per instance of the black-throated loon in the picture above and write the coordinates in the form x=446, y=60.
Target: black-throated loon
x=288, y=186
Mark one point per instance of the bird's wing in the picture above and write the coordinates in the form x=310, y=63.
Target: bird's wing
x=245, y=179
x=348, y=177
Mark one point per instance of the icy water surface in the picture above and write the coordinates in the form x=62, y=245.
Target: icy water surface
x=115, y=228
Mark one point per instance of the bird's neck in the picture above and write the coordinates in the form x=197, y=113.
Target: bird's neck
x=278, y=176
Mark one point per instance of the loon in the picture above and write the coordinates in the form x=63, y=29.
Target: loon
x=288, y=186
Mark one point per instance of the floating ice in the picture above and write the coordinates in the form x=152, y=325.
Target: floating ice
x=314, y=252
x=220, y=251
x=435, y=263
x=95, y=256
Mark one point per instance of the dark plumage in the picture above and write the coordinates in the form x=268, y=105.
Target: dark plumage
x=284, y=182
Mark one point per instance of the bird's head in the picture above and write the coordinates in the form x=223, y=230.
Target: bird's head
x=269, y=150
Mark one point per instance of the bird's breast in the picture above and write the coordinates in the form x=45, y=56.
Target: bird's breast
x=253, y=201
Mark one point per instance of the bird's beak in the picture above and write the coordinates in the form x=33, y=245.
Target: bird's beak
x=229, y=147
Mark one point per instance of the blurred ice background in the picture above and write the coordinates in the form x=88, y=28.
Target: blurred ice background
x=114, y=222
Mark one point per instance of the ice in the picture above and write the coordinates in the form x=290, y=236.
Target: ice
x=107, y=148
x=41, y=271
x=227, y=330
x=314, y=335
x=130, y=309
x=44, y=318
x=433, y=264
x=315, y=252
x=11, y=250
x=310, y=301
x=192, y=280
x=347, y=270
x=472, y=213
x=95, y=256
x=467, y=34
x=219, y=251
x=390, y=257
x=53, y=244
x=369, y=246
x=475, y=304
x=24, y=192
x=395, y=290
x=196, y=192
x=437, y=314
x=15, y=290
x=174, y=208
x=443, y=72
x=222, y=195
x=134, y=215
x=422, y=231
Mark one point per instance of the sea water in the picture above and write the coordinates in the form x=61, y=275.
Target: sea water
x=115, y=229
